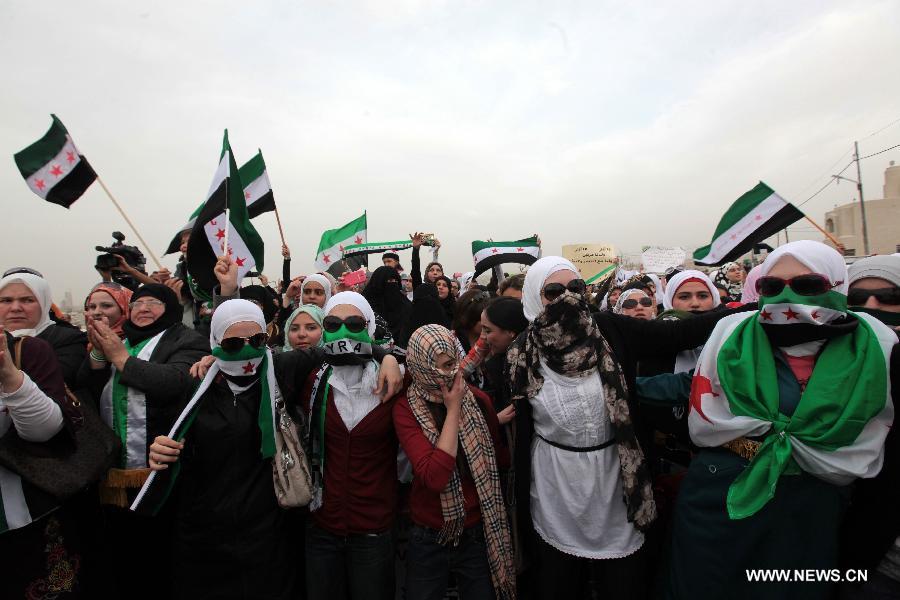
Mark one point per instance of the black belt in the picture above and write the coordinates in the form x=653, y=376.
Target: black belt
x=605, y=444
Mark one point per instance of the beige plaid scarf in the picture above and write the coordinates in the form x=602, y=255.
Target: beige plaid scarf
x=478, y=448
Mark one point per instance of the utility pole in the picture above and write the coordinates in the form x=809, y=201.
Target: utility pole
x=862, y=205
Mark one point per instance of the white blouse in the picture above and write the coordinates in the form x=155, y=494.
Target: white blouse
x=577, y=504
x=352, y=388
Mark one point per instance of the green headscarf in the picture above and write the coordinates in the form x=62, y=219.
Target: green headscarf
x=312, y=310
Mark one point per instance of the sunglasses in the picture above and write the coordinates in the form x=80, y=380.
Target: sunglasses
x=883, y=295
x=354, y=324
x=552, y=291
x=811, y=284
x=234, y=344
x=632, y=303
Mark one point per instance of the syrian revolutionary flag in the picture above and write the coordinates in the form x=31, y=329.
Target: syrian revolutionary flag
x=490, y=254
x=207, y=239
x=608, y=271
x=333, y=242
x=836, y=432
x=355, y=250
x=53, y=168
x=257, y=192
x=755, y=216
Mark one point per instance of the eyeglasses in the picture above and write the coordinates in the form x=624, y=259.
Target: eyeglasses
x=811, y=284
x=552, y=291
x=354, y=324
x=632, y=303
x=234, y=344
x=859, y=297
x=146, y=304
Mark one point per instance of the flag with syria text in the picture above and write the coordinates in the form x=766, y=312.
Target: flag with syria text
x=54, y=169
x=207, y=239
x=755, y=216
x=490, y=254
x=331, y=246
x=257, y=193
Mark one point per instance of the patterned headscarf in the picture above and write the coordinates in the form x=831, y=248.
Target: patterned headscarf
x=734, y=287
x=121, y=295
x=425, y=344
x=565, y=336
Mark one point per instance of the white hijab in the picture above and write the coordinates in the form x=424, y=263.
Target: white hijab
x=817, y=257
x=321, y=280
x=625, y=295
x=230, y=312
x=534, y=282
x=673, y=284
x=357, y=300
x=41, y=290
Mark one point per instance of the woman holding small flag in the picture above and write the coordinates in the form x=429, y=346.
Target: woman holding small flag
x=792, y=403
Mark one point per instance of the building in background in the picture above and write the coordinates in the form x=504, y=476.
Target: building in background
x=882, y=217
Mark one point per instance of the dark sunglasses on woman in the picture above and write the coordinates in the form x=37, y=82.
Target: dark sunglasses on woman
x=354, y=324
x=552, y=291
x=234, y=344
x=811, y=284
x=632, y=303
x=889, y=295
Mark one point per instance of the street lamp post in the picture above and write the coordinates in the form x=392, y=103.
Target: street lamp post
x=862, y=204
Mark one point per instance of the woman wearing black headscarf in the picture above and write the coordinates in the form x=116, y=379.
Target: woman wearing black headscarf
x=445, y=295
x=386, y=297
x=426, y=310
x=142, y=384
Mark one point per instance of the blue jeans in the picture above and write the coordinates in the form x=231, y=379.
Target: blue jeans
x=354, y=567
x=429, y=564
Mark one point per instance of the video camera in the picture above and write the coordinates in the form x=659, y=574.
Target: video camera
x=132, y=255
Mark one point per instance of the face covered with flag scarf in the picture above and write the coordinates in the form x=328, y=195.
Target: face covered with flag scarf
x=349, y=327
x=233, y=320
x=803, y=282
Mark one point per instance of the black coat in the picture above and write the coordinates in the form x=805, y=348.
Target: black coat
x=232, y=538
x=70, y=345
x=165, y=378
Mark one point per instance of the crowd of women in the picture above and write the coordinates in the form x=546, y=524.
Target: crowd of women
x=532, y=437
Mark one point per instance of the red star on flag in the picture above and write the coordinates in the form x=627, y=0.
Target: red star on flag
x=790, y=314
x=358, y=240
x=246, y=195
x=56, y=170
x=70, y=157
x=494, y=251
x=240, y=261
x=815, y=314
x=341, y=246
x=520, y=249
x=249, y=368
x=699, y=386
x=213, y=222
x=766, y=315
x=326, y=258
x=39, y=184
x=758, y=217
x=734, y=236
x=220, y=234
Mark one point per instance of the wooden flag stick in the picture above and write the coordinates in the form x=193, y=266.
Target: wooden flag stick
x=280, y=230
x=130, y=224
x=834, y=241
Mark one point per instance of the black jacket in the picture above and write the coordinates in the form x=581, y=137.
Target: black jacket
x=165, y=378
x=70, y=345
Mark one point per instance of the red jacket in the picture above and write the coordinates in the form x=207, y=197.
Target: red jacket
x=360, y=471
x=433, y=467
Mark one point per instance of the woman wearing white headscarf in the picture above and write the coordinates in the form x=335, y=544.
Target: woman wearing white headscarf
x=579, y=435
x=25, y=302
x=230, y=537
x=792, y=403
x=349, y=544
x=315, y=289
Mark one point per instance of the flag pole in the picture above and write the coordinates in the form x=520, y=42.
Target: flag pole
x=280, y=230
x=227, y=228
x=130, y=224
x=834, y=241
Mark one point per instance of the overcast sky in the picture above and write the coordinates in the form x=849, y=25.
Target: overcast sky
x=631, y=123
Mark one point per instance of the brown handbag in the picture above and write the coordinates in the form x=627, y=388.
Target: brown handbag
x=290, y=467
x=56, y=466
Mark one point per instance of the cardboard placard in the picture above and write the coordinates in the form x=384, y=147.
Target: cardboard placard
x=656, y=259
x=590, y=258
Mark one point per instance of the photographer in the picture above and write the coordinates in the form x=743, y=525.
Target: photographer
x=122, y=264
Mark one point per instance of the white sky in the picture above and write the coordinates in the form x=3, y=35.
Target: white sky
x=631, y=123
